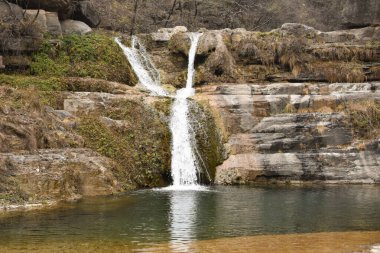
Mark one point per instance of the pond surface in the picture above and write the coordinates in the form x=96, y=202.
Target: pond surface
x=146, y=218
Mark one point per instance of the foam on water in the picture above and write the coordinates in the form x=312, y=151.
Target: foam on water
x=184, y=167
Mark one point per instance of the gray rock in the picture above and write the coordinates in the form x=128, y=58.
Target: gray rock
x=330, y=167
x=86, y=13
x=53, y=24
x=75, y=27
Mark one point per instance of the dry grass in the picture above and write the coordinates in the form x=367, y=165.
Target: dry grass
x=302, y=57
x=337, y=71
x=341, y=52
x=365, y=118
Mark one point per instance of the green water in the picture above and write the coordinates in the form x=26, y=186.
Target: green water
x=143, y=218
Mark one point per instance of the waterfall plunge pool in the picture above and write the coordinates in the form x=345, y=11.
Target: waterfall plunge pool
x=238, y=219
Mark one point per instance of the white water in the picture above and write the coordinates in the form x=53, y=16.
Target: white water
x=143, y=66
x=184, y=168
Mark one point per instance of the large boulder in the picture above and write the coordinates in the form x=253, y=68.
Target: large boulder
x=49, y=5
x=52, y=23
x=74, y=27
x=67, y=9
x=360, y=13
x=10, y=11
x=86, y=13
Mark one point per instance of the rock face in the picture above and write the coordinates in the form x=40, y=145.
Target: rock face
x=287, y=102
x=89, y=144
x=268, y=143
x=87, y=14
x=291, y=53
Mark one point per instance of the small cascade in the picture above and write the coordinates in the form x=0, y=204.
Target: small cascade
x=143, y=66
x=184, y=166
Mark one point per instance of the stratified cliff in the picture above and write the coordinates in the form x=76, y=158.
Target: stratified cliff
x=293, y=105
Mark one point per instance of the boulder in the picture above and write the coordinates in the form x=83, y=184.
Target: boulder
x=52, y=23
x=38, y=17
x=10, y=11
x=86, y=13
x=165, y=34
x=296, y=30
x=75, y=27
x=360, y=13
x=48, y=5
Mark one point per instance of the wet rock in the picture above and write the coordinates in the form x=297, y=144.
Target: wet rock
x=331, y=167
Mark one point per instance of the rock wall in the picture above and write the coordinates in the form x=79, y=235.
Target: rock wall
x=312, y=141
x=286, y=102
x=88, y=138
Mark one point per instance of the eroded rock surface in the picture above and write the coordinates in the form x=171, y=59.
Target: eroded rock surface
x=285, y=132
x=89, y=144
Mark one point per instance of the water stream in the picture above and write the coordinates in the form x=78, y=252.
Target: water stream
x=143, y=66
x=184, y=167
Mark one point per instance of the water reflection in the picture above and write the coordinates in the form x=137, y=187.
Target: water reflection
x=183, y=216
x=145, y=219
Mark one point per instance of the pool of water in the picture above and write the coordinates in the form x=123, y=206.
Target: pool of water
x=151, y=217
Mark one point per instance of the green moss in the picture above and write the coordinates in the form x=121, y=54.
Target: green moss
x=93, y=55
x=141, y=148
x=40, y=83
x=209, y=140
x=163, y=105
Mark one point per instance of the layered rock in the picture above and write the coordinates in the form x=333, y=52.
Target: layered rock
x=87, y=145
x=292, y=53
x=285, y=132
x=286, y=101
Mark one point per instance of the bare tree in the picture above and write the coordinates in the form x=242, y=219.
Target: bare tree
x=134, y=17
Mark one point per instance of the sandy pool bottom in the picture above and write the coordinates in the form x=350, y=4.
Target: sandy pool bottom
x=332, y=242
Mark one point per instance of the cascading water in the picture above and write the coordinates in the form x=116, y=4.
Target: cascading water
x=184, y=165
x=141, y=63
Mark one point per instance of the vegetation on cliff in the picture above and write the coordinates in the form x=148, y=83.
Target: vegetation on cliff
x=141, y=147
x=93, y=55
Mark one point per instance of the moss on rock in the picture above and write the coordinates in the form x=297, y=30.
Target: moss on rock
x=93, y=55
x=208, y=139
x=141, y=146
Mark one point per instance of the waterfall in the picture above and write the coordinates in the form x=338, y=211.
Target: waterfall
x=184, y=166
x=143, y=66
